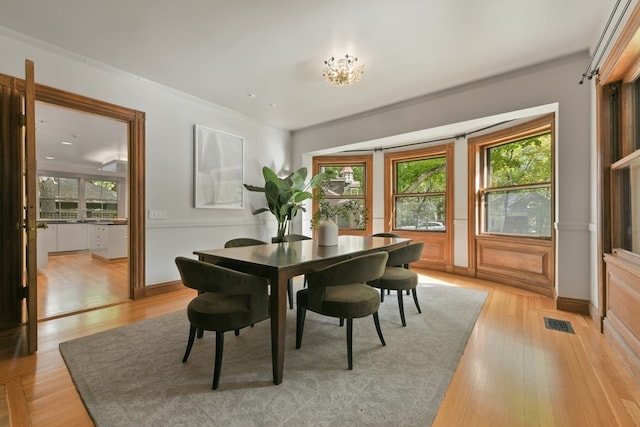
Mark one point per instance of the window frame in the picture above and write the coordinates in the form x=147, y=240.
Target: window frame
x=392, y=159
x=82, y=197
x=358, y=160
x=478, y=155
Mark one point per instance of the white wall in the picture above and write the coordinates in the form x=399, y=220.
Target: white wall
x=548, y=84
x=170, y=117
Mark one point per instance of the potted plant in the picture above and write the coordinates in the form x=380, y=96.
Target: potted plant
x=285, y=196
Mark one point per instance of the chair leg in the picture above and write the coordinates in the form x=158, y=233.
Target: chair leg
x=382, y=295
x=415, y=299
x=350, y=342
x=290, y=292
x=407, y=291
x=401, y=307
x=218, y=361
x=237, y=332
x=192, y=336
x=376, y=321
x=341, y=321
x=200, y=333
x=302, y=311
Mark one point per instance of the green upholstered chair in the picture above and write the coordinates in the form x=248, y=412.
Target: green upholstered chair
x=295, y=237
x=385, y=235
x=248, y=241
x=341, y=291
x=243, y=241
x=397, y=275
x=228, y=300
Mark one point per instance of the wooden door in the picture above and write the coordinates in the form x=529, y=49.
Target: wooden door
x=30, y=213
x=18, y=263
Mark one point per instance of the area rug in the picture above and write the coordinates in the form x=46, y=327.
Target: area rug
x=133, y=375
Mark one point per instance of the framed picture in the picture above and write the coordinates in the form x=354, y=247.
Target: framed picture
x=218, y=171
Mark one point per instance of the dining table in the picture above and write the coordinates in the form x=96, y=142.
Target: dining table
x=281, y=261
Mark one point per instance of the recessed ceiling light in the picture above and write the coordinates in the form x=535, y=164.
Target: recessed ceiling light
x=252, y=95
x=66, y=143
x=272, y=104
x=49, y=157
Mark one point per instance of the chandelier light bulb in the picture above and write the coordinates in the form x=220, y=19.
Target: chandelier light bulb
x=343, y=71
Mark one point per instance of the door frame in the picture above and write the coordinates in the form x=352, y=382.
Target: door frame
x=136, y=170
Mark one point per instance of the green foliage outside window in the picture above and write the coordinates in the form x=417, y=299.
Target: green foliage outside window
x=517, y=199
x=61, y=198
x=420, y=189
x=523, y=162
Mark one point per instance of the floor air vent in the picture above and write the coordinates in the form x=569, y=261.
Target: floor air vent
x=558, y=325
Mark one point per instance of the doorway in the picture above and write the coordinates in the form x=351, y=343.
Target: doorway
x=132, y=207
x=82, y=178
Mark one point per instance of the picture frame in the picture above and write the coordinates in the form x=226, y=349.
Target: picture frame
x=218, y=169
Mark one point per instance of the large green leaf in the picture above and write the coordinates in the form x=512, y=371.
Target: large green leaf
x=285, y=195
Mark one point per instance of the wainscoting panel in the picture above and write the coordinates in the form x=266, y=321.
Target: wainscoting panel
x=622, y=321
x=436, y=254
x=527, y=265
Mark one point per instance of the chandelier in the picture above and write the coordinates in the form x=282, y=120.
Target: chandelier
x=342, y=72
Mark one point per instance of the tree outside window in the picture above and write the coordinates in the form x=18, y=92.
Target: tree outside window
x=517, y=193
x=68, y=198
x=419, y=194
x=58, y=197
x=101, y=199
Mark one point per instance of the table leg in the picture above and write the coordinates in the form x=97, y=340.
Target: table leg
x=278, y=323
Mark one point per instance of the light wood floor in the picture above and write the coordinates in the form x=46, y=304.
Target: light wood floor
x=514, y=371
x=76, y=281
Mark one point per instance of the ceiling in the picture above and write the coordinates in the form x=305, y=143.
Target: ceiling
x=71, y=140
x=223, y=51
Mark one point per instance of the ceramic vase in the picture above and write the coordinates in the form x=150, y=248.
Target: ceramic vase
x=327, y=233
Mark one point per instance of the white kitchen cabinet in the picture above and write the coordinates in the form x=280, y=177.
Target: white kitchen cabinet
x=47, y=242
x=108, y=241
x=72, y=237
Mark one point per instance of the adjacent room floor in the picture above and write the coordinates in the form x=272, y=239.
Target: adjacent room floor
x=75, y=282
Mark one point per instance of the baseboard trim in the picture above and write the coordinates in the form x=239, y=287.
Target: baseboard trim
x=464, y=271
x=574, y=305
x=157, y=289
x=594, y=313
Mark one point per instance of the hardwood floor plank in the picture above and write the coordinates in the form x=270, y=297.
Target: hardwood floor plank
x=16, y=403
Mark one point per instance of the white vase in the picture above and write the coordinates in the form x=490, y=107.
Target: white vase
x=327, y=233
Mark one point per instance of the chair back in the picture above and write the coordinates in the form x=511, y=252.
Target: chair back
x=361, y=269
x=243, y=241
x=385, y=235
x=206, y=277
x=405, y=255
x=295, y=237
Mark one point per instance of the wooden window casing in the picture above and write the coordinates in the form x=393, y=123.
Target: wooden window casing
x=517, y=260
x=438, y=244
x=366, y=188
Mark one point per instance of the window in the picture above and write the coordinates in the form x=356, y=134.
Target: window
x=419, y=190
x=59, y=197
x=68, y=198
x=101, y=199
x=348, y=193
x=624, y=192
x=516, y=194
